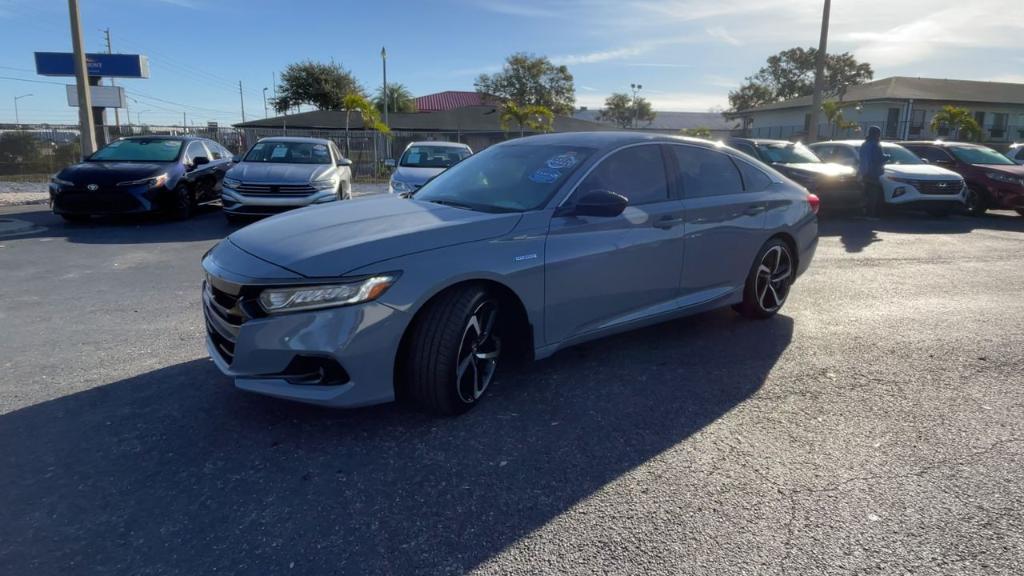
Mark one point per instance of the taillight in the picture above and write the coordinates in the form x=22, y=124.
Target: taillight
x=814, y=201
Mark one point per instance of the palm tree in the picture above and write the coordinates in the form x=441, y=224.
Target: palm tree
x=355, y=102
x=834, y=116
x=536, y=118
x=399, y=99
x=959, y=121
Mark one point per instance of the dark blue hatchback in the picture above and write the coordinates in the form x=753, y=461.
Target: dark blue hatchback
x=169, y=174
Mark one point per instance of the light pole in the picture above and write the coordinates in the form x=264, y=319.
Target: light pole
x=17, y=119
x=819, y=74
x=636, y=105
x=265, y=103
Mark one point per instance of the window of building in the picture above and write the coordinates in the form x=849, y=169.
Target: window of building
x=999, y=121
x=916, y=122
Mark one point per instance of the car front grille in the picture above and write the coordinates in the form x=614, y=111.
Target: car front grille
x=225, y=313
x=938, y=186
x=275, y=189
x=107, y=202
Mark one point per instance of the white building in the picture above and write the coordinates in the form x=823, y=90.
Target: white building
x=903, y=108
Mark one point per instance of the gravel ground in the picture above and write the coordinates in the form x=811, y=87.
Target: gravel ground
x=872, y=428
x=22, y=193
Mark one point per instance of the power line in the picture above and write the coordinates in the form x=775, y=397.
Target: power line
x=32, y=81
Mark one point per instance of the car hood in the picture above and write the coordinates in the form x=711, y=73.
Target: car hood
x=922, y=171
x=1014, y=170
x=331, y=240
x=109, y=173
x=416, y=175
x=274, y=173
x=823, y=169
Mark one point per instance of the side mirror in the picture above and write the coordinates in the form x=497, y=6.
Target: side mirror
x=600, y=203
x=390, y=163
x=344, y=162
x=199, y=161
x=236, y=159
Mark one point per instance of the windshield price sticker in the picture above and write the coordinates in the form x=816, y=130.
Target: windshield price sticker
x=545, y=176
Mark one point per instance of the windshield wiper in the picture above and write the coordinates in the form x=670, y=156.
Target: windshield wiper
x=453, y=204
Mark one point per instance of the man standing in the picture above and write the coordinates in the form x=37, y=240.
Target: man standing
x=870, y=169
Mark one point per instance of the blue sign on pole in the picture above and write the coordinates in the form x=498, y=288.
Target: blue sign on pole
x=105, y=65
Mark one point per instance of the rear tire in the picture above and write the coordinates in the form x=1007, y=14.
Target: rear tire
x=976, y=203
x=769, y=281
x=453, y=351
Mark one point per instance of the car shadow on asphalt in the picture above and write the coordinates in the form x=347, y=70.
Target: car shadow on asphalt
x=857, y=233
x=174, y=471
x=206, y=224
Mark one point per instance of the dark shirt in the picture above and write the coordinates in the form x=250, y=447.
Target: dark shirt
x=872, y=160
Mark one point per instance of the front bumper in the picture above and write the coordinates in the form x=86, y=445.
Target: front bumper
x=907, y=195
x=257, y=352
x=107, y=201
x=235, y=202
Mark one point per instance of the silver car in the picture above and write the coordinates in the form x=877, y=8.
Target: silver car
x=524, y=249
x=421, y=161
x=279, y=174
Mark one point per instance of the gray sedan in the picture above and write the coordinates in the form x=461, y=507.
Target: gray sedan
x=524, y=249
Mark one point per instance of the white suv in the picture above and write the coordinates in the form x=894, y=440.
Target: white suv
x=908, y=181
x=1016, y=153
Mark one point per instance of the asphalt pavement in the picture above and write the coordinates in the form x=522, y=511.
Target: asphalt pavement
x=875, y=427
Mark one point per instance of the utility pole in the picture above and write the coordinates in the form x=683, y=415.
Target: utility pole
x=242, y=99
x=636, y=104
x=384, y=63
x=86, y=127
x=117, y=112
x=819, y=74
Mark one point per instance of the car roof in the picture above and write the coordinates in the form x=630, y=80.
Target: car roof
x=438, y=143
x=295, y=139
x=162, y=137
x=943, y=143
x=606, y=140
x=767, y=141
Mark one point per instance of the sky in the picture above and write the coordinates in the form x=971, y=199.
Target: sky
x=687, y=54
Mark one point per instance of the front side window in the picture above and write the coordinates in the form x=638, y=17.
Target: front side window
x=506, y=178
x=706, y=172
x=979, y=155
x=195, y=149
x=289, y=153
x=637, y=172
x=216, y=152
x=433, y=156
x=139, y=150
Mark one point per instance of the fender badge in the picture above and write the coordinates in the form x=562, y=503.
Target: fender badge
x=525, y=257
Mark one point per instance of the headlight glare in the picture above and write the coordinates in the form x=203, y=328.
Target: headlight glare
x=399, y=186
x=326, y=184
x=275, y=300
x=153, y=181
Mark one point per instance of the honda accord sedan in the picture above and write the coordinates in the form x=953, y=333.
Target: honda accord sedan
x=169, y=174
x=524, y=249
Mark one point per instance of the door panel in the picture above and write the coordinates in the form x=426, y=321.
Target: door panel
x=600, y=272
x=724, y=223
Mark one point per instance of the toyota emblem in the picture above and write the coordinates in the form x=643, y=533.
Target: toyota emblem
x=92, y=187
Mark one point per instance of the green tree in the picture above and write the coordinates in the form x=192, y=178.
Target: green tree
x=536, y=118
x=323, y=86
x=790, y=74
x=620, y=109
x=19, y=147
x=353, y=102
x=833, y=111
x=698, y=132
x=961, y=125
x=528, y=80
x=399, y=99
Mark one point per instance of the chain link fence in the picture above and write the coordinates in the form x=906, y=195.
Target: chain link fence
x=36, y=152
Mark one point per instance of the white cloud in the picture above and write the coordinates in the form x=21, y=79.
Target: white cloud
x=665, y=101
x=601, y=56
x=521, y=9
x=720, y=33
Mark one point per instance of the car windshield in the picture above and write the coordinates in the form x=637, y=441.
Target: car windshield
x=979, y=155
x=505, y=178
x=788, y=153
x=900, y=155
x=433, y=156
x=289, y=153
x=139, y=150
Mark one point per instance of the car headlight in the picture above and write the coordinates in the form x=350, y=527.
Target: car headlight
x=231, y=183
x=1005, y=178
x=325, y=184
x=398, y=186
x=61, y=182
x=153, y=181
x=277, y=300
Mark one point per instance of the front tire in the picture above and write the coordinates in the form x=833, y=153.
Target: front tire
x=976, y=203
x=769, y=281
x=184, y=203
x=453, y=351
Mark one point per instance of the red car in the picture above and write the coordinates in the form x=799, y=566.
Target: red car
x=993, y=180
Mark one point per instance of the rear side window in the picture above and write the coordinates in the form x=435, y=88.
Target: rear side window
x=705, y=172
x=638, y=173
x=754, y=180
x=931, y=154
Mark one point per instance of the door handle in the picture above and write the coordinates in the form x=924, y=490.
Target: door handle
x=668, y=222
x=754, y=210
